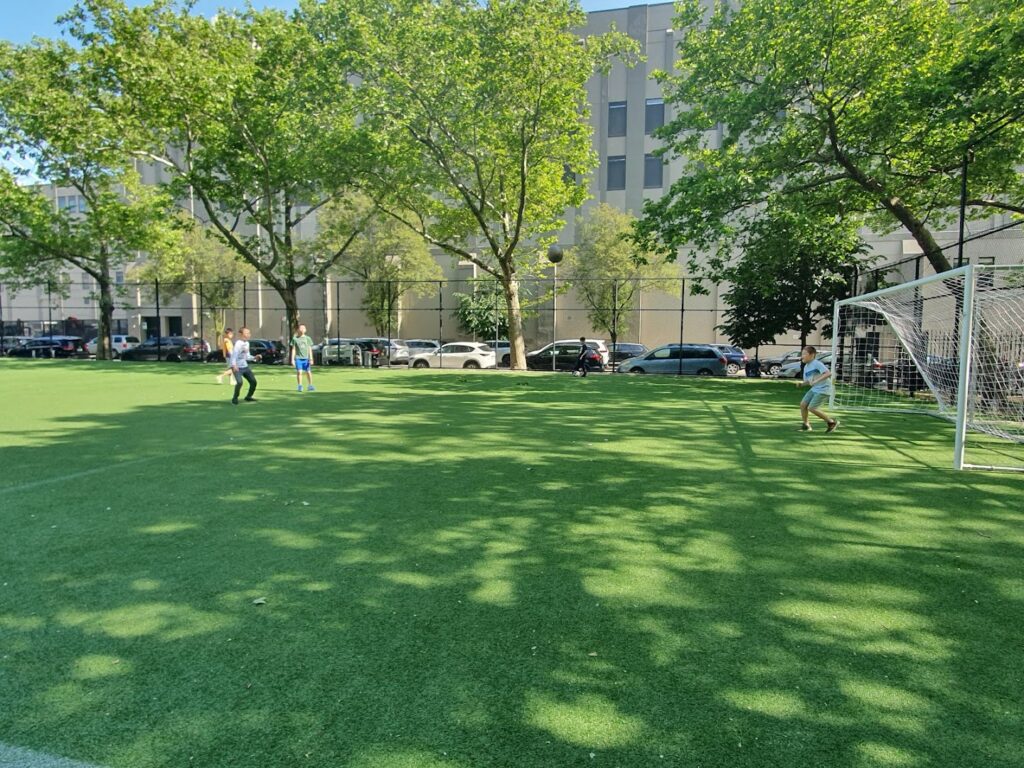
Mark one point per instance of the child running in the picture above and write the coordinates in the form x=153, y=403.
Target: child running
x=302, y=358
x=227, y=346
x=816, y=376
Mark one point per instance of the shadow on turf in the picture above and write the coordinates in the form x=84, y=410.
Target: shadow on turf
x=461, y=571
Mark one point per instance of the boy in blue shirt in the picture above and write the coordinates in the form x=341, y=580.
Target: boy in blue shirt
x=816, y=376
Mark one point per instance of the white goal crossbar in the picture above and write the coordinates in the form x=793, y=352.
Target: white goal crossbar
x=950, y=345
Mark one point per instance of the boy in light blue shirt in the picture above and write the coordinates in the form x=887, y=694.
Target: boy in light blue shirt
x=816, y=376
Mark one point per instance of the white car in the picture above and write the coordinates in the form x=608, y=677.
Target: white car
x=458, y=354
x=119, y=344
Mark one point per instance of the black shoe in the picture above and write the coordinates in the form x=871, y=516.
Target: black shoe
x=250, y=399
x=832, y=425
x=805, y=428
x=234, y=402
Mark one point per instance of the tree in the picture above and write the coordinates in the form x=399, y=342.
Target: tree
x=481, y=117
x=608, y=270
x=387, y=256
x=792, y=270
x=62, y=126
x=202, y=265
x=247, y=114
x=868, y=105
x=482, y=313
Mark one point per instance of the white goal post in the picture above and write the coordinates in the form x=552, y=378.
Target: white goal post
x=950, y=345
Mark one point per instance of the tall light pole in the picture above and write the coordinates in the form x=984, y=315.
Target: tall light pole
x=555, y=255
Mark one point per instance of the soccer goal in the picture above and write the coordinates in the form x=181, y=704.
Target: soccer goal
x=950, y=346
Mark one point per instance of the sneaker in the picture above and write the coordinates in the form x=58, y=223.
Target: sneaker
x=234, y=402
x=311, y=388
x=249, y=399
x=805, y=428
x=300, y=388
x=832, y=425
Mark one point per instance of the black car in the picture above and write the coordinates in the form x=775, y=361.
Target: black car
x=269, y=352
x=624, y=351
x=736, y=358
x=56, y=346
x=565, y=356
x=173, y=349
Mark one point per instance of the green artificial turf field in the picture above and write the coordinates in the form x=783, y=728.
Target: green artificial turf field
x=475, y=570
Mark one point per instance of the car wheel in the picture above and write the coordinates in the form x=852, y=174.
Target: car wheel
x=172, y=359
x=774, y=370
x=421, y=364
x=732, y=369
x=506, y=360
x=705, y=372
x=637, y=370
x=471, y=364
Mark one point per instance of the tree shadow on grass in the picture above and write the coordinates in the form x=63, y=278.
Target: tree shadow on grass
x=465, y=571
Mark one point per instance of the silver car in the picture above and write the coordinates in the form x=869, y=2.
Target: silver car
x=460, y=354
x=792, y=370
x=687, y=359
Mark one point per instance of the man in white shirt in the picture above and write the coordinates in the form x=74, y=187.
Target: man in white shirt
x=240, y=358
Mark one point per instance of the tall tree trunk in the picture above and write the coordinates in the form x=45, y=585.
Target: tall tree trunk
x=291, y=305
x=517, y=347
x=106, y=301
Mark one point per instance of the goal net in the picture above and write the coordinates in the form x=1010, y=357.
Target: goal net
x=950, y=345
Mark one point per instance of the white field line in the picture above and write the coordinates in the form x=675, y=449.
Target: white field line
x=16, y=757
x=225, y=443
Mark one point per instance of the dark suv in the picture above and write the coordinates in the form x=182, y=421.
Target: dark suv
x=46, y=346
x=736, y=358
x=269, y=352
x=173, y=349
x=565, y=355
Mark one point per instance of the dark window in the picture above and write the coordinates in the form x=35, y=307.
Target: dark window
x=616, y=118
x=653, y=172
x=617, y=172
x=654, y=115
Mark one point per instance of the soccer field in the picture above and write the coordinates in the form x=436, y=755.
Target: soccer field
x=494, y=569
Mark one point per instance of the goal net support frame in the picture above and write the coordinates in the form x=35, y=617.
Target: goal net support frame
x=956, y=339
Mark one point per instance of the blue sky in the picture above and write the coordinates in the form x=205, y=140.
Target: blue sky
x=21, y=19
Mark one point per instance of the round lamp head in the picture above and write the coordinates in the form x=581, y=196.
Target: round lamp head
x=555, y=253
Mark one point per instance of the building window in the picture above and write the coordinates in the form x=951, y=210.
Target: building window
x=119, y=277
x=73, y=203
x=617, y=172
x=616, y=118
x=654, y=115
x=86, y=280
x=653, y=172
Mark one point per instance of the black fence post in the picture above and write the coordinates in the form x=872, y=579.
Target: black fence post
x=390, y=308
x=337, y=308
x=615, y=321
x=3, y=324
x=49, y=311
x=682, y=317
x=159, y=323
x=440, y=318
x=202, y=336
x=245, y=303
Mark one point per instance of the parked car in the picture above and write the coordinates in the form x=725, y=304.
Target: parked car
x=416, y=346
x=57, y=346
x=338, y=352
x=596, y=344
x=688, y=359
x=268, y=351
x=625, y=350
x=12, y=342
x=392, y=352
x=173, y=349
x=118, y=344
x=736, y=358
x=792, y=370
x=773, y=365
x=459, y=354
x=564, y=354
x=502, y=352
